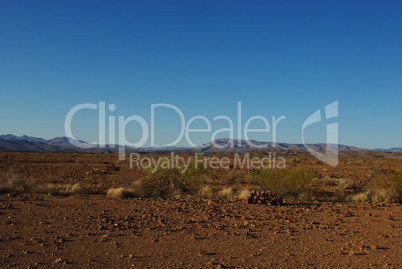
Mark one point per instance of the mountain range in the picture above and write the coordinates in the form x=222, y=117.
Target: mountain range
x=13, y=142
x=235, y=145
x=60, y=144
x=389, y=150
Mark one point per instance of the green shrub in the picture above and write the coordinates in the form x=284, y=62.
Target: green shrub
x=295, y=160
x=396, y=185
x=382, y=187
x=284, y=181
x=168, y=182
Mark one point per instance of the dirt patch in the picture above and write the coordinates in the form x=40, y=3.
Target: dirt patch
x=95, y=231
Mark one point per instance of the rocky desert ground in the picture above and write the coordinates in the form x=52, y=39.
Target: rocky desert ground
x=47, y=221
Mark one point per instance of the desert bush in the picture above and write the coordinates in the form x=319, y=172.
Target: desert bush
x=295, y=160
x=203, y=179
x=236, y=178
x=385, y=188
x=287, y=182
x=151, y=187
x=396, y=185
x=376, y=196
x=121, y=193
x=170, y=182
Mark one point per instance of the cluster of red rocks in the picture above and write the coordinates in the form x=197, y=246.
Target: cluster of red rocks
x=264, y=197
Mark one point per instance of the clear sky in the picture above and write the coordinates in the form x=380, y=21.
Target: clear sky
x=278, y=58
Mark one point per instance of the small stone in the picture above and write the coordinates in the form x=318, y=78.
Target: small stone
x=360, y=246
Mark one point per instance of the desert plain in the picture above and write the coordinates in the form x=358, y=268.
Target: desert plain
x=91, y=210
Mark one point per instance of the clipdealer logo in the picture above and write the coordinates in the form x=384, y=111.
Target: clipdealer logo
x=243, y=130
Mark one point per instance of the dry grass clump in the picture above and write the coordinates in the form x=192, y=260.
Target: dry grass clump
x=347, y=184
x=206, y=192
x=376, y=196
x=327, y=180
x=225, y=193
x=385, y=188
x=149, y=188
x=341, y=183
x=121, y=193
x=14, y=183
x=243, y=194
x=59, y=189
x=228, y=193
x=152, y=188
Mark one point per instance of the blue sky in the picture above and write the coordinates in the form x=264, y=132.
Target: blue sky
x=278, y=58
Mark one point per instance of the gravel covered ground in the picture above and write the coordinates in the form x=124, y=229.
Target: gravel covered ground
x=93, y=231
